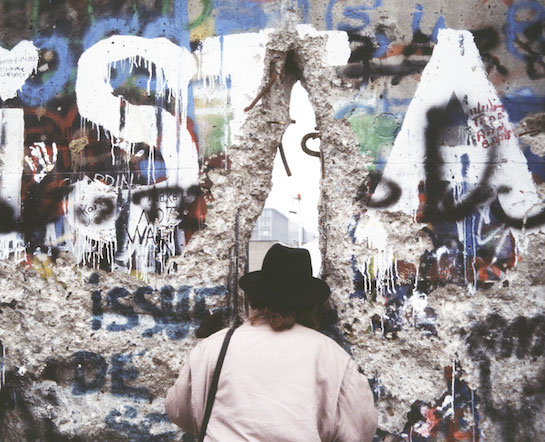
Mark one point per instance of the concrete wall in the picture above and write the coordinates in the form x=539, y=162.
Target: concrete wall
x=132, y=172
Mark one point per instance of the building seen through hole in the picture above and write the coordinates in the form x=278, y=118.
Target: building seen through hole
x=290, y=216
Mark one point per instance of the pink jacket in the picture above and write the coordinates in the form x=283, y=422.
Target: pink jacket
x=293, y=385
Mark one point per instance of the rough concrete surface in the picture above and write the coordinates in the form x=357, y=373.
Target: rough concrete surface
x=120, y=237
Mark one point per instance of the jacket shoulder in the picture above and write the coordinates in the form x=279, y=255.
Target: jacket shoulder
x=217, y=335
x=323, y=340
x=209, y=344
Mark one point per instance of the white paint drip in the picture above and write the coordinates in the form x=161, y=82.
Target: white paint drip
x=174, y=67
x=380, y=265
x=230, y=69
x=12, y=246
x=85, y=211
x=484, y=218
x=447, y=405
x=415, y=307
x=463, y=234
x=11, y=150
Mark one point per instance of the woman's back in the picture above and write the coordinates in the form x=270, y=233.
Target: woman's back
x=280, y=381
x=290, y=385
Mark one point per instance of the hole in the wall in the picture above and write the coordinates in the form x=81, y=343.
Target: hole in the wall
x=290, y=215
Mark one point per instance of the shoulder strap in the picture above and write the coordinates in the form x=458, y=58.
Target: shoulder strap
x=214, y=386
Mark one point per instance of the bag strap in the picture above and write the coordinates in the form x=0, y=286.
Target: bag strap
x=214, y=386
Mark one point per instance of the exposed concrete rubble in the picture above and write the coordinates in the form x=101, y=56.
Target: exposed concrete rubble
x=445, y=318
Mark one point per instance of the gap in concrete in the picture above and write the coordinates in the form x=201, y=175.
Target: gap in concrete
x=290, y=215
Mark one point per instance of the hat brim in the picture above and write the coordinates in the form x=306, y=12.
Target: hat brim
x=314, y=292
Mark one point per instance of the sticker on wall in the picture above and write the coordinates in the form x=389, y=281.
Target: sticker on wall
x=16, y=65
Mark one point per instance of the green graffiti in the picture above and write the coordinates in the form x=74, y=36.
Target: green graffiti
x=206, y=10
x=90, y=11
x=375, y=133
x=166, y=7
x=36, y=17
x=207, y=6
x=217, y=139
x=135, y=9
x=71, y=85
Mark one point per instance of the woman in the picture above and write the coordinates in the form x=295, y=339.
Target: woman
x=281, y=380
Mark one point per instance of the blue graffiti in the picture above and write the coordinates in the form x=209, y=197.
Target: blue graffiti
x=358, y=20
x=166, y=27
x=355, y=13
x=46, y=86
x=239, y=16
x=517, y=27
x=165, y=317
x=471, y=223
x=173, y=316
x=217, y=290
x=121, y=72
x=91, y=371
x=140, y=431
x=383, y=44
x=110, y=26
x=304, y=5
x=94, y=278
x=357, y=279
x=181, y=21
x=465, y=164
x=96, y=300
x=127, y=311
x=417, y=18
x=352, y=12
x=536, y=164
x=121, y=372
x=86, y=362
x=130, y=412
x=522, y=102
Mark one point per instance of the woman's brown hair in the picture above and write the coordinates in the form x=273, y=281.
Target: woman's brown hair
x=284, y=319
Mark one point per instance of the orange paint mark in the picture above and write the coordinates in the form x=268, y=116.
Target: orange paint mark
x=432, y=421
x=405, y=269
x=197, y=211
x=396, y=49
x=447, y=372
x=466, y=435
x=421, y=202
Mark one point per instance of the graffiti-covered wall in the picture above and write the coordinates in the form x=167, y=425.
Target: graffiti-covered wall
x=137, y=140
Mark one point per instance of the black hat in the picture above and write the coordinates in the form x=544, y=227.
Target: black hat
x=285, y=280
